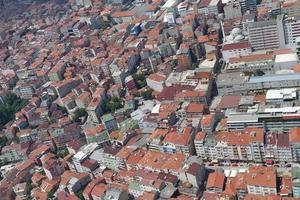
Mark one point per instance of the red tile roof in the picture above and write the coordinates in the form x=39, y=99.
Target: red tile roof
x=241, y=45
x=216, y=180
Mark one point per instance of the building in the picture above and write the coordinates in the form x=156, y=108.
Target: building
x=290, y=7
x=170, y=16
x=296, y=182
x=248, y=5
x=84, y=3
x=208, y=7
x=295, y=143
x=21, y=190
x=107, y=156
x=94, y=109
x=156, y=81
x=97, y=135
x=232, y=9
x=277, y=148
x=291, y=30
x=109, y=122
x=250, y=63
x=263, y=37
x=215, y=182
x=236, y=50
x=261, y=181
x=285, y=61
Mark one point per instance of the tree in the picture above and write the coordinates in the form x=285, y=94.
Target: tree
x=193, y=66
x=16, y=140
x=140, y=80
x=50, y=195
x=147, y=95
x=62, y=152
x=81, y=112
x=79, y=194
x=12, y=105
x=259, y=72
x=3, y=141
x=111, y=104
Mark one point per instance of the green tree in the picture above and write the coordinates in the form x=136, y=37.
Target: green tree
x=3, y=141
x=62, y=152
x=259, y=72
x=12, y=105
x=111, y=104
x=50, y=195
x=81, y=112
x=147, y=95
x=193, y=66
x=79, y=194
x=16, y=140
x=140, y=80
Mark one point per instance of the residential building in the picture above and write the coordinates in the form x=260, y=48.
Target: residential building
x=232, y=9
x=215, y=182
x=156, y=81
x=94, y=109
x=296, y=182
x=97, y=135
x=263, y=37
x=261, y=180
x=236, y=50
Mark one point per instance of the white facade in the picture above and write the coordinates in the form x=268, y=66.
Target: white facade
x=291, y=31
x=231, y=53
x=157, y=86
x=258, y=190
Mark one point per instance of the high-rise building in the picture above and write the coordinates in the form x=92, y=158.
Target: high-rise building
x=232, y=10
x=248, y=5
x=269, y=34
x=291, y=30
x=85, y=3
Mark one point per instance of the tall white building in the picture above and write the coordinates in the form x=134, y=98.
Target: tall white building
x=232, y=9
x=291, y=31
x=265, y=35
x=85, y=3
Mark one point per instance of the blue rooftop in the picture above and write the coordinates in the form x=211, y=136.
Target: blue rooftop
x=275, y=77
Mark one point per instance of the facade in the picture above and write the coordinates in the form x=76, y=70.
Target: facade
x=261, y=181
x=97, y=135
x=94, y=109
x=232, y=9
x=210, y=7
x=250, y=63
x=109, y=122
x=262, y=35
x=236, y=50
x=296, y=181
x=291, y=30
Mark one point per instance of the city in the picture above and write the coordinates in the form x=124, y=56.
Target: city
x=150, y=99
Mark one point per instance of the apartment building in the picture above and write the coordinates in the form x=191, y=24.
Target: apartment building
x=263, y=37
x=215, y=182
x=261, y=180
x=232, y=9
x=290, y=7
x=250, y=63
x=97, y=135
x=278, y=148
x=94, y=109
x=207, y=7
x=296, y=181
x=291, y=30
x=248, y=5
x=236, y=50
x=295, y=143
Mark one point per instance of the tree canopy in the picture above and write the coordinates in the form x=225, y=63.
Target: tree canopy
x=12, y=105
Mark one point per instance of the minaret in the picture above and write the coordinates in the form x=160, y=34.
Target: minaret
x=223, y=32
